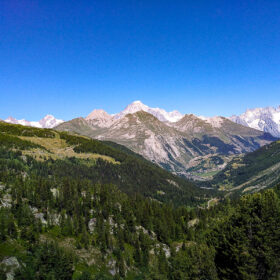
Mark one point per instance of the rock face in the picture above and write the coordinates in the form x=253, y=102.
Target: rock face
x=171, y=144
x=264, y=119
x=48, y=121
x=10, y=265
x=100, y=118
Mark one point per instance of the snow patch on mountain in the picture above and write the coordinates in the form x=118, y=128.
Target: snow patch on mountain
x=264, y=119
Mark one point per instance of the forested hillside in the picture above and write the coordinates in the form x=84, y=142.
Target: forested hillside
x=59, y=154
x=74, y=208
x=251, y=172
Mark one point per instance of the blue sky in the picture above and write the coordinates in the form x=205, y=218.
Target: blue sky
x=204, y=57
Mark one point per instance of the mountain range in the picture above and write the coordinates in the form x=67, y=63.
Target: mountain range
x=48, y=121
x=188, y=145
x=264, y=119
x=179, y=143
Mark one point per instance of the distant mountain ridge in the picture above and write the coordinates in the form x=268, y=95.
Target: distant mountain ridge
x=48, y=121
x=264, y=119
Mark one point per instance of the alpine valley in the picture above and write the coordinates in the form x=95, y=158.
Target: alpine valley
x=97, y=185
x=72, y=207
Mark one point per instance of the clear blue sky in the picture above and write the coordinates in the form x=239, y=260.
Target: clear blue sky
x=203, y=57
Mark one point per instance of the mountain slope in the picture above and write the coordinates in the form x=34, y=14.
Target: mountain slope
x=253, y=171
x=264, y=119
x=141, y=132
x=173, y=145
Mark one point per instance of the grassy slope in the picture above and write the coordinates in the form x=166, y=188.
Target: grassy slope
x=57, y=148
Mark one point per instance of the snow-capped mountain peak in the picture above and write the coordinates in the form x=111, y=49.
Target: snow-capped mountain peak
x=266, y=119
x=48, y=121
x=132, y=108
x=161, y=114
